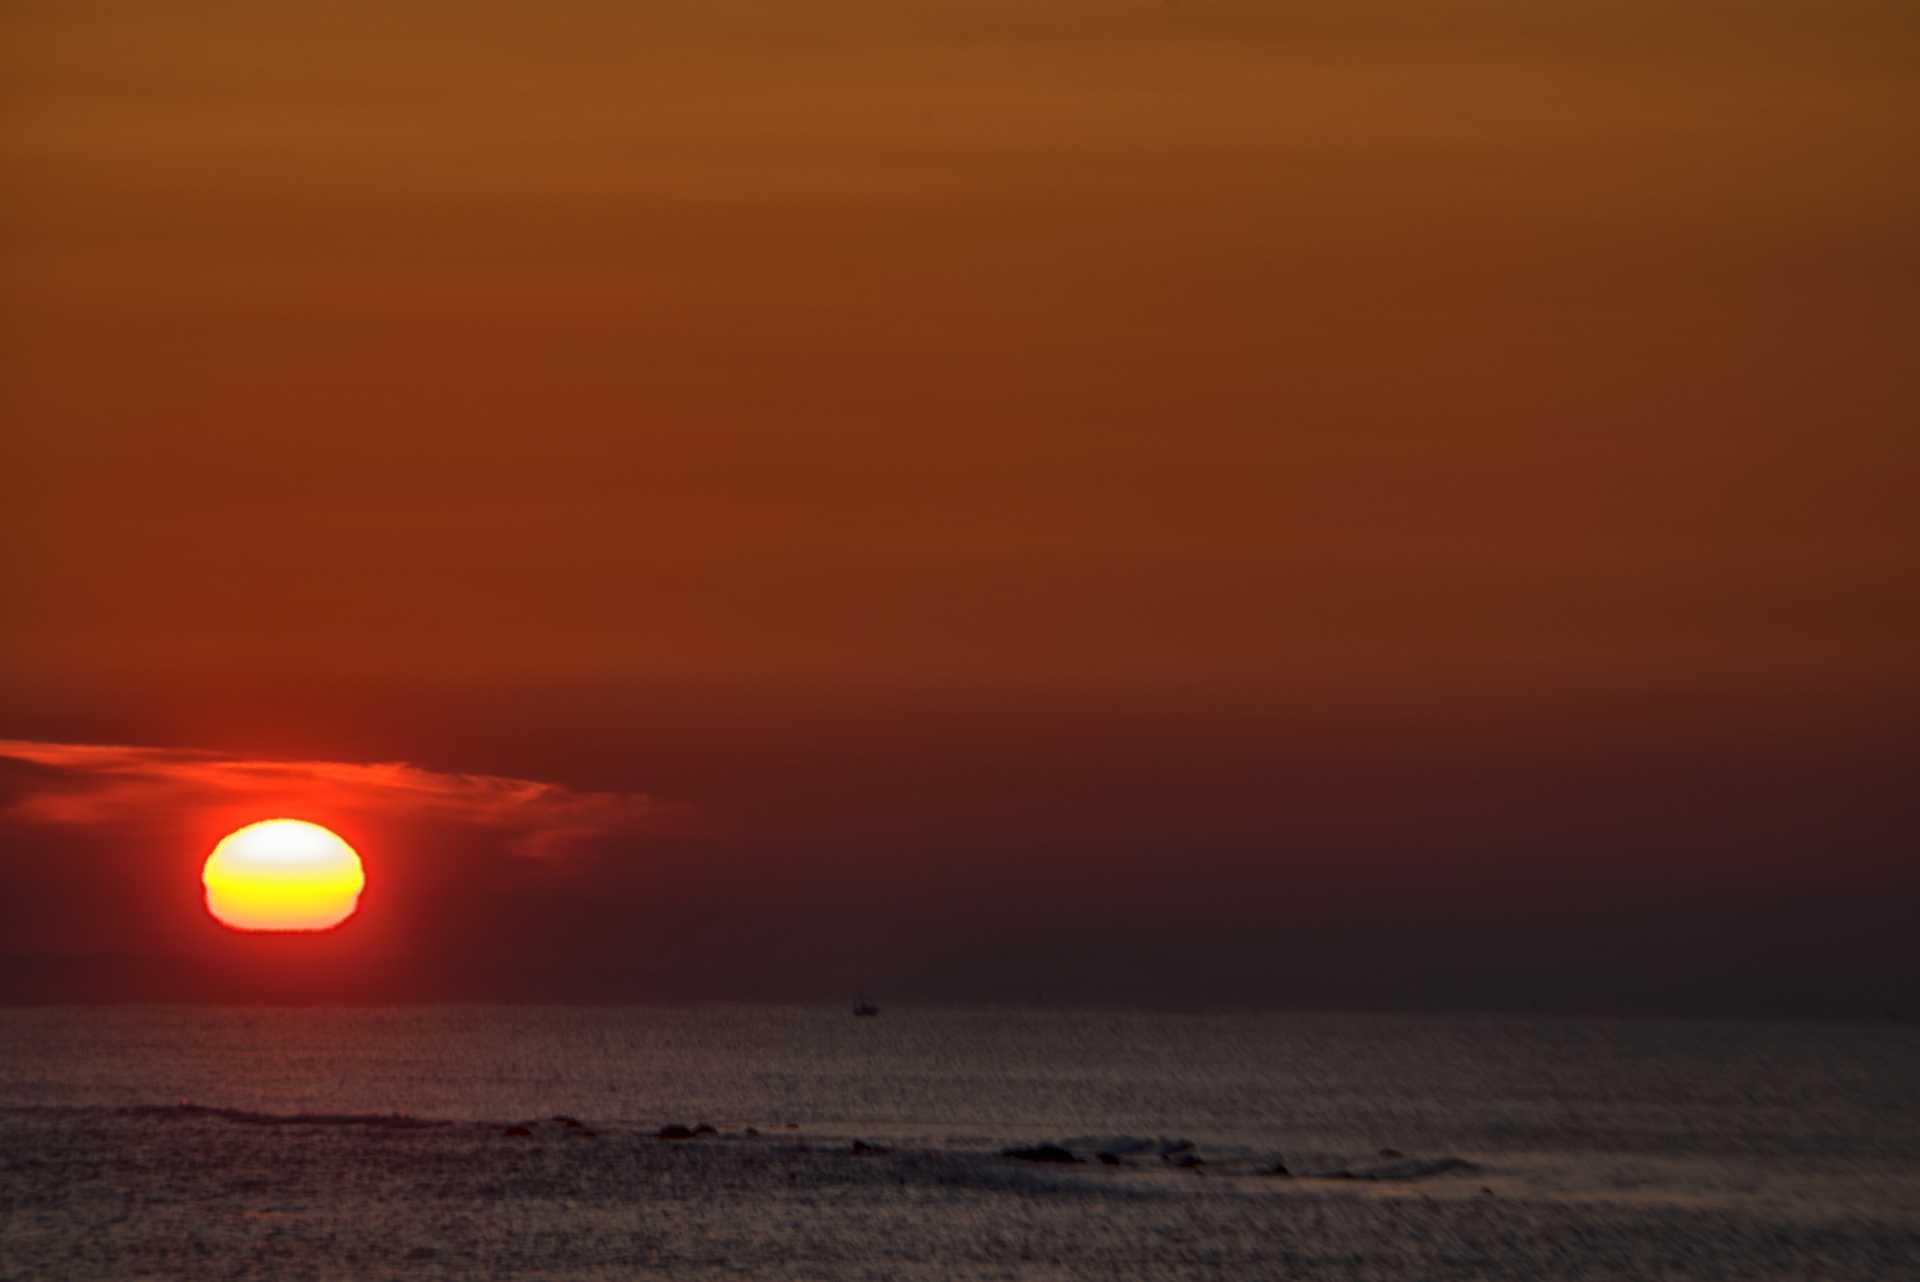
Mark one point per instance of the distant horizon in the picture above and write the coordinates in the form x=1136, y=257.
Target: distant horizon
x=103, y=980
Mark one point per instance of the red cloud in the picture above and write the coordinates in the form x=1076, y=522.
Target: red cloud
x=103, y=783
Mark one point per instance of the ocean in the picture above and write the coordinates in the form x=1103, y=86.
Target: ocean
x=524, y=1142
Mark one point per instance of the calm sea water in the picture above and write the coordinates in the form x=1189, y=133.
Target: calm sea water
x=1457, y=1082
x=1749, y=1149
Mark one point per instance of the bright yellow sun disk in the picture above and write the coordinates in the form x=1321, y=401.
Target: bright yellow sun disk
x=282, y=874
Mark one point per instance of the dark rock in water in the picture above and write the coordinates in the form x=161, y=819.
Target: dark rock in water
x=1118, y=1145
x=793, y=1126
x=1186, y=1161
x=571, y=1123
x=674, y=1132
x=1170, y=1147
x=752, y=1132
x=1278, y=1168
x=704, y=1129
x=1485, y=1191
x=385, y=1121
x=1415, y=1168
x=1412, y=1168
x=1110, y=1159
x=1391, y=1152
x=862, y=1147
x=519, y=1132
x=1040, y=1153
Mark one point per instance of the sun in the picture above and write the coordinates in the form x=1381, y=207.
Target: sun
x=282, y=875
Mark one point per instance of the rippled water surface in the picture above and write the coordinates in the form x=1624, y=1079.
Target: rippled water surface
x=1762, y=1149
x=1472, y=1081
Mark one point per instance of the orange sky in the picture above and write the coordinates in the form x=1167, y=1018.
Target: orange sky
x=839, y=419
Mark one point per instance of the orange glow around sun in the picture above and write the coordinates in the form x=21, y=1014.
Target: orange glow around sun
x=282, y=874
